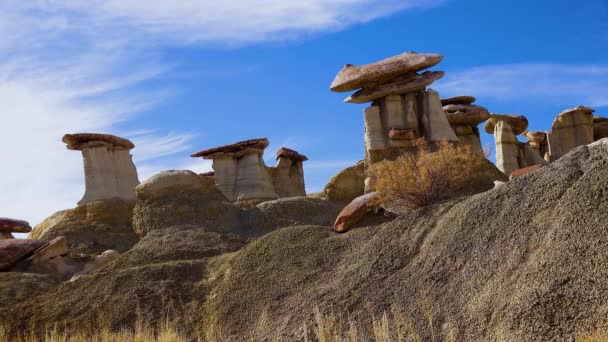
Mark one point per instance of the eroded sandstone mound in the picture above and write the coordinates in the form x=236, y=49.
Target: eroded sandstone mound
x=522, y=262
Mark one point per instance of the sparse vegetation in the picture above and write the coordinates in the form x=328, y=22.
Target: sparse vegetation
x=426, y=176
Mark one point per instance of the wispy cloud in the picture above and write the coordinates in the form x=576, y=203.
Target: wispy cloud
x=557, y=83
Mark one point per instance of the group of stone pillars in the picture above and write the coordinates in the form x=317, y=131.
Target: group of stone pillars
x=240, y=172
x=403, y=109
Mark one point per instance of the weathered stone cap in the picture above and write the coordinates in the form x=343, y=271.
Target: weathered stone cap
x=285, y=152
x=400, y=85
x=260, y=144
x=458, y=100
x=8, y=225
x=536, y=137
x=463, y=114
x=79, y=141
x=518, y=123
x=599, y=119
x=353, y=77
x=582, y=109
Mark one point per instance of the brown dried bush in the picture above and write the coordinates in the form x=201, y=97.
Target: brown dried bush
x=427, y=175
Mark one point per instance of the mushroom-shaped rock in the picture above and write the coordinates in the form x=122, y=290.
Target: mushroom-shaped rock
x=80, y=141
x=518, y=123
x=536, y=137
x=233, y=149
x=355, y=211
x=571, y=128
x=352, y=77
x=8, y=225
x=290, y=154
x=525, y=170
x=458, y=100
x=108, y=166
x=600, y=128
x=15, y=250
x=400, y=85
x=466, y=114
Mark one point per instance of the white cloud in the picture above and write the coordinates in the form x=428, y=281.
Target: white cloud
x=562, y=84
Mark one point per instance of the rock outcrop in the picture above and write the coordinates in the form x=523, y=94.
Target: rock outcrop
x=346, y=185
x=571, y=128
x=242, y=176
x=108, y=167
x=91, y=228
x=402, y=109
x=600, y=128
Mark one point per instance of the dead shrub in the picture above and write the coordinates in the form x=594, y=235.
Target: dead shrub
x=426, y=176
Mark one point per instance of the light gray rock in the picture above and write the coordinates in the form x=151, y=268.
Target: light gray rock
x=570, y=129
x=507, y=149
x=434, y=120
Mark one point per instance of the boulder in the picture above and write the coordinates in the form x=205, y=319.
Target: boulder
x=91, y=228
x=355, y=211
x=347, y=184
x=352, y=77
x=525, y=170
x=458, y=100
x=8, y=225
x=518, y=123
x=463, y=114
x=401, y=85
x=14, y=250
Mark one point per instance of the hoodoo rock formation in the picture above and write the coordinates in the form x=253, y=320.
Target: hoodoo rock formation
x=241, y=174
x=403, y=110
x=571, y=128
x=108, y=168
x=511, y=154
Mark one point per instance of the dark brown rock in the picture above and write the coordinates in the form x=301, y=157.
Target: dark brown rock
x=600, y=128
x=355, y=211
x=458, y=100
x=15, y=250
x=80, y=140
x=285, y=152
x=352, y=77
x=518, y=123
x=260, y=144
x=8, y=225
x=401, y=85
x=465, y=114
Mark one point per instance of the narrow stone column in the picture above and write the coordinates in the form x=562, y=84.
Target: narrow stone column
x=505, y=129
x=434, y=120
x=411, y=113
x=108, y=166
x=288, y=175
x=240, y=172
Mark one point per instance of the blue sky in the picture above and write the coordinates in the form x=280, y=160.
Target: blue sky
x=178, y=77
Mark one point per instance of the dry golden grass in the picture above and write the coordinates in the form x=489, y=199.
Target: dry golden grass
x=427, y=176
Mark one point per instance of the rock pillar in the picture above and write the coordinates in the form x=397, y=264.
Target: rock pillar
x=108, y=166
x=570, y=129
x=252, y=179
x=435, y=123
x=508, y=149
x=288, y=174
x=464, y=118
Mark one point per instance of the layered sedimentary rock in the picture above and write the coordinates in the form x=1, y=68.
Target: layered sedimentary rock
x=108, y=167
x=402, y=109
x=288, y=174
x=464, y=117
x=538, y=141
x=508, y=149
x=571, y=128
x=241, y=174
